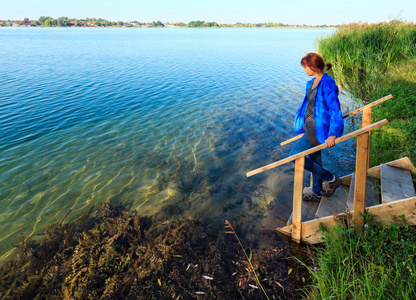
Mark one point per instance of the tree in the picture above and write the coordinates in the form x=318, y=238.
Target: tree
x=195, y=23
x=42, y=20
x=120, y=23
x=157, y=24
x=47, y=23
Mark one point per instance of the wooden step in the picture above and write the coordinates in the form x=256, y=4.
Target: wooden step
x=335, y=204
x=396, y=184
x=371, y=194
x=308, y=210
x=403, y=163
x=383, y=213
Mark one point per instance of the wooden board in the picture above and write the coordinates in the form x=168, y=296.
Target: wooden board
x=396, y=184
x=364, y=108
x=317, y=148
x=383, y=213
x=361, y=167
x=387, y=212
x=403, y=163
x=297, y=198
x=310, y=229
x=335, y=204
x=308, y=211
x=372, y=193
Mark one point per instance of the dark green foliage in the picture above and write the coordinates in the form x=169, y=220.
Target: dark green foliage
x=202, y=24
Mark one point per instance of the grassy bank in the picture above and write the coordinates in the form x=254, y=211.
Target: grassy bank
x=372, y=61
x=374, y=262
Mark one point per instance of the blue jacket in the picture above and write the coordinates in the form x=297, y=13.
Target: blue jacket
x=328, y=115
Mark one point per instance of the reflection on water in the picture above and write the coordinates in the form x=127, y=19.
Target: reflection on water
x=172, y=137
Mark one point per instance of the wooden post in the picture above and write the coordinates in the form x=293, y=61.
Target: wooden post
x=311, y=180
x=367, y=122
x=360, y=176
x=297, y=199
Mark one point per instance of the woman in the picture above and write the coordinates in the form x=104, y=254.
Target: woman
x=320, y=118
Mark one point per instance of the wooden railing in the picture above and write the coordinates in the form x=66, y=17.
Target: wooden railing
x=361, y=166
x=366, y=116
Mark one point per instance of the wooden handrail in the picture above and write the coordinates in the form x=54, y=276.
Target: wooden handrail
x=317, y=148
x=377, y=102
x=345, y=116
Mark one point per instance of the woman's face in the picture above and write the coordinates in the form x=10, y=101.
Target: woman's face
x=309, y=71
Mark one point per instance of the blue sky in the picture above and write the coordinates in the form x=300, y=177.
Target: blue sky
x=311, y=12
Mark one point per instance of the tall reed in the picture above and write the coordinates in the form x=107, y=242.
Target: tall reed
x=362, y=52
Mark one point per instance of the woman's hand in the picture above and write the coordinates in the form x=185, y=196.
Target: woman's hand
x=330, y=141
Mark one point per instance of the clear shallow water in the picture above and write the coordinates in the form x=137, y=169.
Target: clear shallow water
x=167, y=121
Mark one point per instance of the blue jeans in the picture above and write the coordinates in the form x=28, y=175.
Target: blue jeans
x=313, y=163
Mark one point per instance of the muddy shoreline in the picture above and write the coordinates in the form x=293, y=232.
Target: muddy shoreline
x=114, y=254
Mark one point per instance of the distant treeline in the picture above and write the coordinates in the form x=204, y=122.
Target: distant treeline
x=99, y=22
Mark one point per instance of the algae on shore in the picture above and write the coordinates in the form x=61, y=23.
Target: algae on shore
x=119, y=255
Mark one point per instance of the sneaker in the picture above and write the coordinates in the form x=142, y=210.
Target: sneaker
x=311, y=197
x=328, y=188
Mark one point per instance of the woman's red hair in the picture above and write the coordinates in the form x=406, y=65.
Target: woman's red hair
x=315, y=62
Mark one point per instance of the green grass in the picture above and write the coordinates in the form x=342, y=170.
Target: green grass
x=372, y=61
x=363, y=52
x=373, y=262
x=398, y=138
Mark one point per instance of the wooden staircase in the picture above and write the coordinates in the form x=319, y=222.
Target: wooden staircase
x=386, y=184
x=384, y=191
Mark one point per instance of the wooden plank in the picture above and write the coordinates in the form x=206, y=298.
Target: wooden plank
x=346, y=116
x=308, y=210
x=317, y=148
x=310, y=232
x=297, y=199
x=335, y=204
x=377, y=102
x=396, y=184
x=346, y=180
x=384, y=213
x=371, y=196
x=403, y=163
x=360, y=176
x=291, y=140
x=367, y=121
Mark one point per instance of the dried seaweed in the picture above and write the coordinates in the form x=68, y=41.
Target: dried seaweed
x=118, y=255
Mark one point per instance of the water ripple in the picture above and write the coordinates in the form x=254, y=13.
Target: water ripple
x=160, y=120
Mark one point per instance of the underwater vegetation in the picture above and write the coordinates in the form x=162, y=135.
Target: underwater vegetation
x=114, y=254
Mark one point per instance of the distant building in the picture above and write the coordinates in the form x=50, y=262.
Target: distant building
x=169, y=25
x=18, y=23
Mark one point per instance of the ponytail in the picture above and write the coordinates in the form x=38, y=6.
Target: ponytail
x=315, y=61
x=328, y=66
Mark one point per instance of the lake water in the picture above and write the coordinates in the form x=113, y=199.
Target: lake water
x=166, y=121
